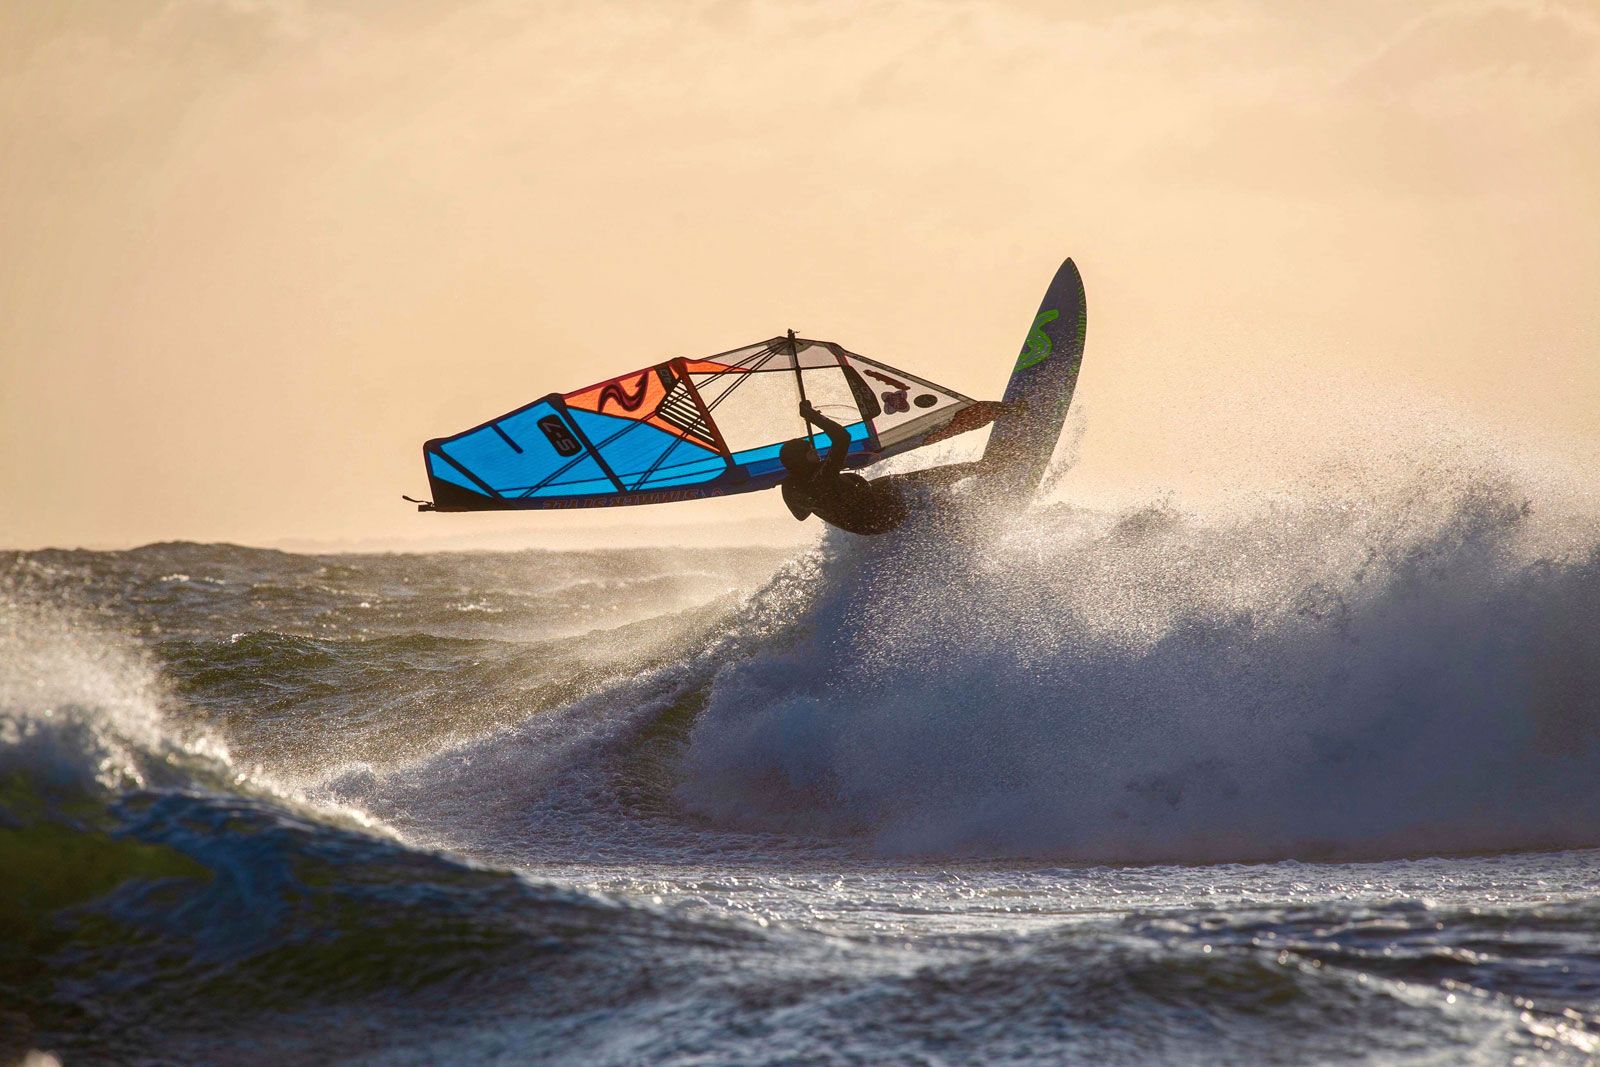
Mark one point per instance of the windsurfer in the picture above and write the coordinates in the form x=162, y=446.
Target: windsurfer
x=822, y=487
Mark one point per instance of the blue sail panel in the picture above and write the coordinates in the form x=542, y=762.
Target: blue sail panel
x=443, y=470
x=522, y=454
x=644, y=456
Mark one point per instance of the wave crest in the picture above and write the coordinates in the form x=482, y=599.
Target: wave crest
x=1407, y=669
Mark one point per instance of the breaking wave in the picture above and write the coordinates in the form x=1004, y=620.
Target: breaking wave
x=224, y=774
x=1393, y=671
x=159, y=904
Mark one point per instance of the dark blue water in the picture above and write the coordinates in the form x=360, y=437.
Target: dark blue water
x=1314, y=785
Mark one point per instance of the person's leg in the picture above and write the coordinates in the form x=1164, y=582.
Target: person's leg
x=931, y=478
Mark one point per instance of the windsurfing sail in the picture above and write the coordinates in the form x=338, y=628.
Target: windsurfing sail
x=690, y=428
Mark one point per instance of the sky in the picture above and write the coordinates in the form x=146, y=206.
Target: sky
x=254, y=252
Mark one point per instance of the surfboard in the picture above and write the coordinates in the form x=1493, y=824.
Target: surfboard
x=1039, y=393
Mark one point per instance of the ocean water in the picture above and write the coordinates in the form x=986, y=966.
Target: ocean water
x=1313, y=781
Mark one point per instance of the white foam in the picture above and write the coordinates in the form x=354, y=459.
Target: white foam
x=78, y=702
x=1399, y=656
x=84, y=709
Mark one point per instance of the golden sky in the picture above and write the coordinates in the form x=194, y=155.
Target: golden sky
x=254, y=252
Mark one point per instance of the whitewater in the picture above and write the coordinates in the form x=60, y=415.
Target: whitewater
x=1310, y=778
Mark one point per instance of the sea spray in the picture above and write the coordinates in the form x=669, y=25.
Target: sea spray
x=232, y=924
x=80, y=701
x=1400, y=669
x=152, y=897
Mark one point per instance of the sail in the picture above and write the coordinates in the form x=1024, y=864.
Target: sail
x=688, y=428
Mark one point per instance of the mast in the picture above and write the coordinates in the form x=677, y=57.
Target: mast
x=799, y=380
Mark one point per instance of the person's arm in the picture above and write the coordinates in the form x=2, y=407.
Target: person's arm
x=838, y=439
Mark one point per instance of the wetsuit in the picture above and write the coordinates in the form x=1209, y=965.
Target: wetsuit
x=842, y=499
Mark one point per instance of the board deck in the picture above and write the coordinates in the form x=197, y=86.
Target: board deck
x=1041, y=387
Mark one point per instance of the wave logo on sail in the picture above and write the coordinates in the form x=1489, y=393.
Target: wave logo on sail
x=625, y=400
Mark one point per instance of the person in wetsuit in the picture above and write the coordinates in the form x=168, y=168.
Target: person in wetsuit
x=822, y=487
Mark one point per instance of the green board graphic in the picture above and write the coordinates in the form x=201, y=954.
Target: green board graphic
x=1038, y=347
x=1039, y=392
